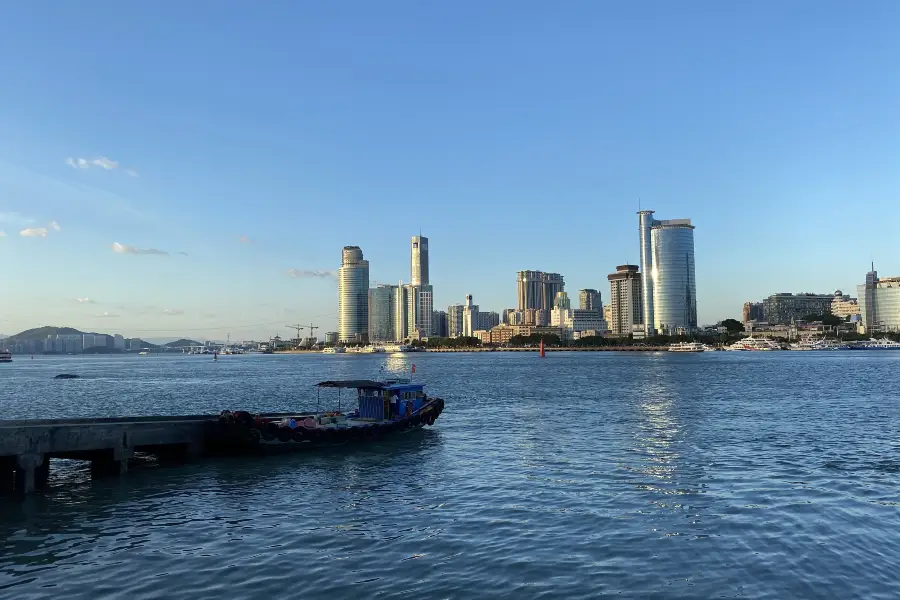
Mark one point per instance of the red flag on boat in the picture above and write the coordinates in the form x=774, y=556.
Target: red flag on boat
x=414, y=368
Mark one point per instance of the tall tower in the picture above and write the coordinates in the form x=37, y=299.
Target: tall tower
x=418, y=260
x=625, y=303
x=353, y=296
x=645, y=223
x=674, y=281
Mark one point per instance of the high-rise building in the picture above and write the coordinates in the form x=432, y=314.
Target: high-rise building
x=562, y=301
x=455, y=320
x=669, y=285
x=537, y=290
x=419, y=260
x=589, y=299
x=488, y=320
x=401, y=311
x=439, y=324
x=753, y=311
x=470, y=317
x=781, y=309
x=625, y=299
x=353, y=296
x=879, y=303
x=381, y=313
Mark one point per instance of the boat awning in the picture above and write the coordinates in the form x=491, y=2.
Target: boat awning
x=353, y=383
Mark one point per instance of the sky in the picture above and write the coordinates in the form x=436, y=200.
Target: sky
x=194, y=168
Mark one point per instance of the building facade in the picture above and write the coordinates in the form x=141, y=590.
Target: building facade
x=537, y=289
x=470, y=317
x=353, y=296
x=488, y=319
x=625, y=299
x=381, y=313
x=753, y=311
x=418, y=248
x=455, y=320
x=879, y=303
x=844, y=307
x=668, y=285
x=781, y=309
x=589, y=299
x=439, y=326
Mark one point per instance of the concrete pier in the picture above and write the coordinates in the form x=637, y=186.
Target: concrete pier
x=27, y=446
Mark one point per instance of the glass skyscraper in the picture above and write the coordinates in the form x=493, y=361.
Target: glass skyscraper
x=353, y=296
x=669, y=285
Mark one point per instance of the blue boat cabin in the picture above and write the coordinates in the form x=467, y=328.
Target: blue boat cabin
x=391, y=401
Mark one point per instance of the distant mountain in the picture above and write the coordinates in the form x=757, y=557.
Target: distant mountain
x=40, y=333
x=138, y=342
x=182, y=342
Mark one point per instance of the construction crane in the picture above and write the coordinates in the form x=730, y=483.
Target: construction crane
x=298, y=328
x=312, y=328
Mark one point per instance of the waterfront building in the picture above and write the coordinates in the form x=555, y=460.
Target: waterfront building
x=844, y=307
x=879, y=303
x=781, y=309
x=668, y=287
x=353, y=296
x=401, y=311
x=331, y=337
x=470, y=317
x=625, y=299
x=607, y=313
x=501, y=334
x=537, y=289
x=589, y=299
x=488, y=319
x=455, y=320
x=562, y=301
x=439, y=324
x=753, y=311
x=382, y=313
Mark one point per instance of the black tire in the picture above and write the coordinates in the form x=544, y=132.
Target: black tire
x=299, y=435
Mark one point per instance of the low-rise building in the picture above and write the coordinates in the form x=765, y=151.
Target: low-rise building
x=783, y=308
x=843, y=306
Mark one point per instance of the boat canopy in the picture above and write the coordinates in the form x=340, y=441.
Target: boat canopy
x=354, y=383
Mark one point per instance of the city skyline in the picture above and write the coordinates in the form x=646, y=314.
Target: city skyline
x=138, y=197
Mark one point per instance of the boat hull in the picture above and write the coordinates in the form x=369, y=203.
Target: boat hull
x=242, y=433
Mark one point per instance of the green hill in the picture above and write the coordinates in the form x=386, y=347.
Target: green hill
x=182, y=342
x=40, y=333
x=139, y=342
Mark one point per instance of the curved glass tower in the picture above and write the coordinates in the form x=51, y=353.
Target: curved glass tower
x=672, y=272
x=353, y=296
x=645, y=223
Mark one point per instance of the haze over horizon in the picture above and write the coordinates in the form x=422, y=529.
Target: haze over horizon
x=175, y=170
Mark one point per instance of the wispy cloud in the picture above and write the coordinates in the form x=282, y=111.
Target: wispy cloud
x=107, y=315
x=173, y=312
x=123, y=249
x=181, y=253
x=245, y=240
x=131, y=173
x=86, y=163
x=53, y=225
x=34, y=232
x=298, y=273
x=85, y=300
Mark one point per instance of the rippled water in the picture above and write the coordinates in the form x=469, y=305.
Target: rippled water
x=580, y=475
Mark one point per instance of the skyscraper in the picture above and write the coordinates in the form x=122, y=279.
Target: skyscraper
x=439, y=324
x=667, y=263
x=381, y=313
x=625, y=294
x=537, y=290
x=455, y=320
x=589, y=299
x=470, y=317
x=418, y=247
x=353, y=296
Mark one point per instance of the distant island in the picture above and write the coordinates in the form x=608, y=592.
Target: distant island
x=68, y=340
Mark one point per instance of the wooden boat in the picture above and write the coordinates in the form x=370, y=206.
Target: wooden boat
x=382, y=408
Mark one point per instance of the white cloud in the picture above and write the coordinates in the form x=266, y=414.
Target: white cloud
x=106, y=163
x=53, y=225
x=173, y=312
x=107, y=315
x=34, y=232
x=131, y=173
x=101, y=161
x=85, y=300
x=298, y=273
x=123, y=249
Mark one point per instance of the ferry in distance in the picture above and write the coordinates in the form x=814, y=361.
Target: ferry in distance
x=5, y=356
x=752, y=344
x=873, y=344
x=688, y=347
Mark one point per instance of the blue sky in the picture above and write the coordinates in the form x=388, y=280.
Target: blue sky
x=260, y=137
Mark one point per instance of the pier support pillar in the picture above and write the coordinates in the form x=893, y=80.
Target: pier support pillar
x=111, y=462
x=7, y=474
x=26, y=472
